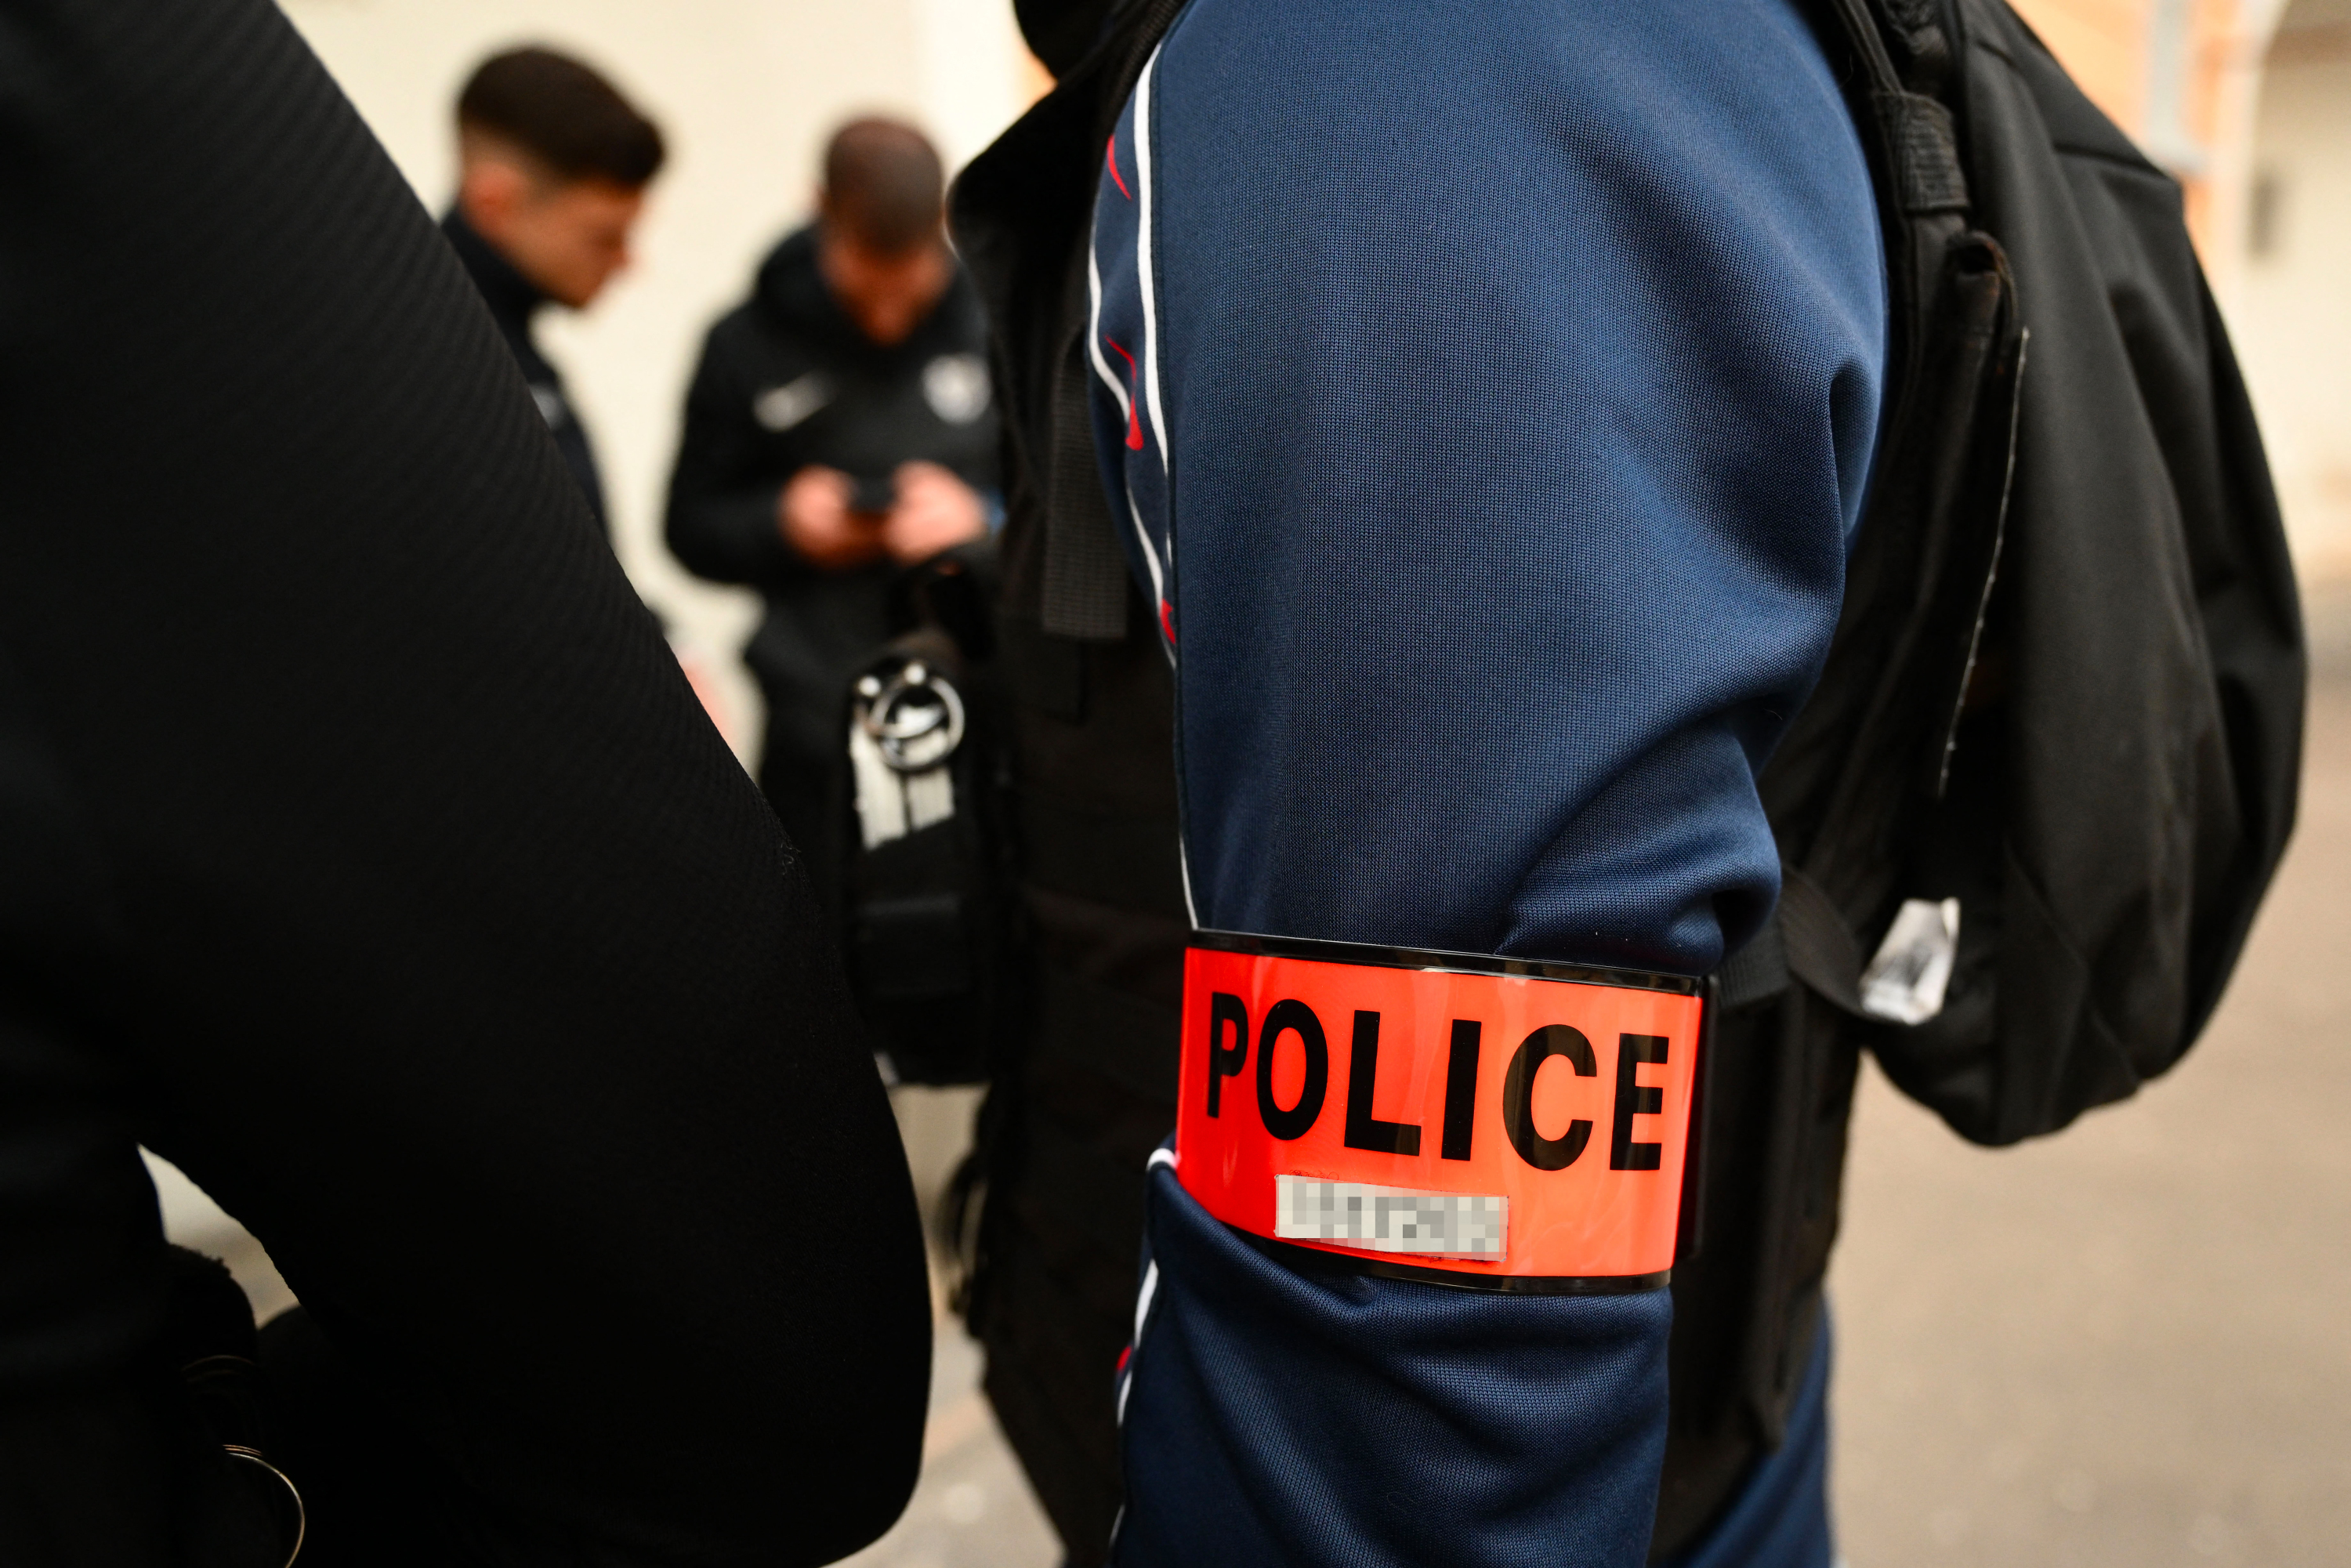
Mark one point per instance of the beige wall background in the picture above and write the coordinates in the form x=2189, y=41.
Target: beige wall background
x=745, y=90
x=2291, y=296
x=2249, y=103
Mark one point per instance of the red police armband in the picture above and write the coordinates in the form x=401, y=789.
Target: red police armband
x=1490, y=1123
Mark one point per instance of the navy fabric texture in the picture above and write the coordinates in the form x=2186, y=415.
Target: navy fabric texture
x=1780, y=1517
x=1486, y=396
x=1503, y=394
x=1340, y=1418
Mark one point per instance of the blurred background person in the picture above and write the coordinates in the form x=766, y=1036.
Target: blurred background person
x=837, y=429
x=553, y=164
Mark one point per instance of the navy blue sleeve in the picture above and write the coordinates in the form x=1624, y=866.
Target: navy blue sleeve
x=1491, y=395
x=1486, y=395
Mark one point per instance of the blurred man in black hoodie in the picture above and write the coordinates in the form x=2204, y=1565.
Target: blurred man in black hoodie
x=838, y=428
x=553, y=164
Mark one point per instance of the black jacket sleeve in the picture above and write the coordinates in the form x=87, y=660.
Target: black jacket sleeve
x=721, y=501
x=430, y=927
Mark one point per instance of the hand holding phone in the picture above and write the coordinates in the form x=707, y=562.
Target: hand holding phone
x=935, y=511
x=818, y=518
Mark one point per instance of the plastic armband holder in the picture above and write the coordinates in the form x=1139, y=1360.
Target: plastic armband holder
x=1492, y=1124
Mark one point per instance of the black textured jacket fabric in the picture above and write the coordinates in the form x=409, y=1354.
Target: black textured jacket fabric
x=363, y=851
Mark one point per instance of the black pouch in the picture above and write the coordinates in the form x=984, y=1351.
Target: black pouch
x=930, y=926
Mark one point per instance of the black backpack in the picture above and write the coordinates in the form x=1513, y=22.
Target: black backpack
x=2066, y=689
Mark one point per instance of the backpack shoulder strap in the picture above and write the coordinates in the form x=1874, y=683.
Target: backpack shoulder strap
x=1912, y=140
x=1874, y=742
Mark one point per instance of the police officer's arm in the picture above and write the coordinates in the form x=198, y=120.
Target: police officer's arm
x=429, y=925
x=1490, y=435
x=1495, y=461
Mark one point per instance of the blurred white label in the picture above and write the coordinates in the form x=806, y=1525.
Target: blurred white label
x=956, y=386
x=930, y=798
x=1907, y=980
x=890, y=804
x=1391, y=1218
x=881, y=788
x=780, y=408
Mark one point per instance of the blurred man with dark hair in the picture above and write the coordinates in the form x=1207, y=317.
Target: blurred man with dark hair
x=838, y=429
x=553, y=164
